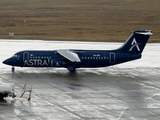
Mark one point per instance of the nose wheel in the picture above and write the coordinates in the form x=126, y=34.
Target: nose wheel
x=13, y=69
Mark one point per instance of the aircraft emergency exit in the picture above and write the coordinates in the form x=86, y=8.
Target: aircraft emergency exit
x=72, y=59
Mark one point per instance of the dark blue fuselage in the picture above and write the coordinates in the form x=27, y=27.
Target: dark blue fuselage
x=89, y=59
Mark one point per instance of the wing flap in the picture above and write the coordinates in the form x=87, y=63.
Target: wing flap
x=73, y=57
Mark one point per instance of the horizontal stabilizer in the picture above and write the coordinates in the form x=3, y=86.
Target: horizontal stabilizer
x=73, y=57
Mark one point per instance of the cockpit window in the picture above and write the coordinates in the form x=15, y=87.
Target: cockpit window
x=16, y=56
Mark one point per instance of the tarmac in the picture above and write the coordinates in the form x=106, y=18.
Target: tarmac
x=130, y=91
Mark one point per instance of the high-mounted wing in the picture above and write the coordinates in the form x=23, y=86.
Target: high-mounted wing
x=73, y=57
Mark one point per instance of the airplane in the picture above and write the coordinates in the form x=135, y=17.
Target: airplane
x=72, y=59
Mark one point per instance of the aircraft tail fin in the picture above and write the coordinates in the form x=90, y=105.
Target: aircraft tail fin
x=136, y=42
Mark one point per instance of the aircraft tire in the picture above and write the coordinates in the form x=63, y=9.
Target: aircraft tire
x=71, y=68
x=12, y=69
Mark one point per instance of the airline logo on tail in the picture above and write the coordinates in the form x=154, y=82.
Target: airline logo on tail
x=134, y=44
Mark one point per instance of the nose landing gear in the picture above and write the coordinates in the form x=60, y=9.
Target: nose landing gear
x=12, y=69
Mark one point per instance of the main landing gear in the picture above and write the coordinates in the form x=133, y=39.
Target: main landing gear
x=71, y=69
x=12, y=69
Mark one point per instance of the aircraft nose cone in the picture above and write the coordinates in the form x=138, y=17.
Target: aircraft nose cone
x=7, y=62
